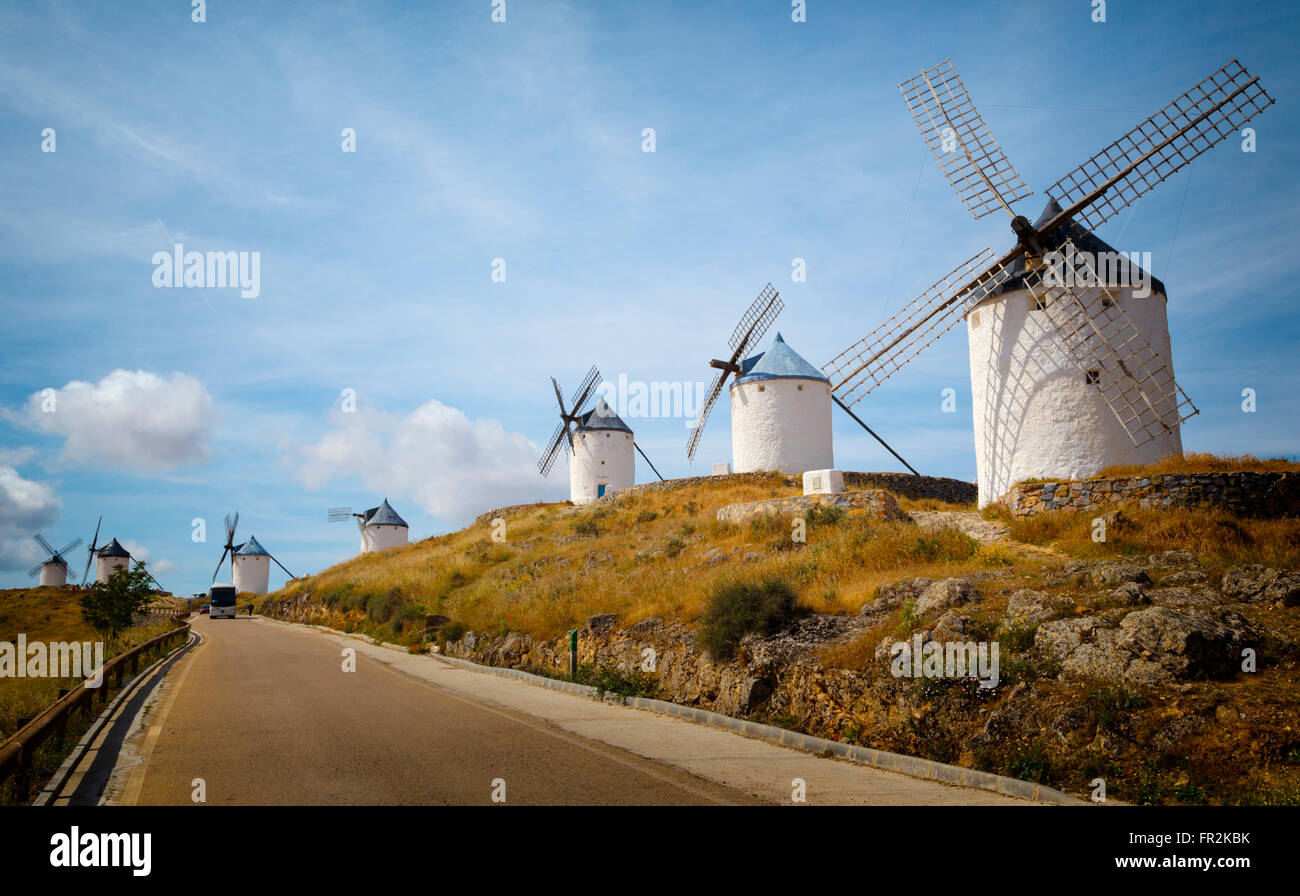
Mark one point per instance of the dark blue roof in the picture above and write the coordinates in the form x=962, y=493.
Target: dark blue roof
x=384, y=515
x=251, y=548
x=602, y=417
x=777, y=363
x=113, y=549
x=1084, y=240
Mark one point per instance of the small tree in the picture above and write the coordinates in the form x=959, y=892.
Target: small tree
x=111, y=607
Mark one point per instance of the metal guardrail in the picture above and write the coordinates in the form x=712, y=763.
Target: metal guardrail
x=17, y=753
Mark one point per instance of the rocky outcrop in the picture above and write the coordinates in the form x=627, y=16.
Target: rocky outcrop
x=1149, y=647
x=1259, y=583
x=876, y=504
x=1246, y=494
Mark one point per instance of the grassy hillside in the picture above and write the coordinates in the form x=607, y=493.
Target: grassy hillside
x=656, y=553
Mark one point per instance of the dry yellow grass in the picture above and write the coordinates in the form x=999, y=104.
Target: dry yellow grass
x=657, y=553
x=49, y=614
x=1203, y=463
x=1218, y=538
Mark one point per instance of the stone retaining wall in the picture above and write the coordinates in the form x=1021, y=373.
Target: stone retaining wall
x=1246, y=494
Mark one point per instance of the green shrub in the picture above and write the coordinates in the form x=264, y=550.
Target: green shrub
x=381, y=607
x=736, y=609
x=406, y=616
x=647, y=516
x=823, y=515
x=586, y=527
x=674, y=546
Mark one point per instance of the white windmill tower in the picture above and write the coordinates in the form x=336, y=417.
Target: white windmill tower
x=112, y=556
x=781, y=414
x=250, y=563
x=603, y=447
x=1071, y=367
x=252, y=567
x=381, y=528
x=54, y=571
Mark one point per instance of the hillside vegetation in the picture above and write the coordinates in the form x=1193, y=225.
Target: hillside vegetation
x=655, y=553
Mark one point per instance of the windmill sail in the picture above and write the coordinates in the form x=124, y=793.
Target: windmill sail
x=859, y=369
x=971, y=159
x=753, y=324
x=563, y=437
x=1133, y=165
x=1135, y=381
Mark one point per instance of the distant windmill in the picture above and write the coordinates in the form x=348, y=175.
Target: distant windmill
x=1065, y=379
x=252, y=567
x=54, y=571
x=599, y=442
x=381, y=527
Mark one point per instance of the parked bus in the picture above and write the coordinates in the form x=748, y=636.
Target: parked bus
x=221, y=600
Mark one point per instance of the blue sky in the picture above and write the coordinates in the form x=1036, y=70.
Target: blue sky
x=477, y=140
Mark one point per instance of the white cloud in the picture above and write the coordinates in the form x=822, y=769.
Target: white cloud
x=135, y=549
x=25, y=508
x=454, y=468
x=163, y=567
x=132, y=420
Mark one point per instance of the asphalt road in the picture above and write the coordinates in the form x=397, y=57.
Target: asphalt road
x=265, y=715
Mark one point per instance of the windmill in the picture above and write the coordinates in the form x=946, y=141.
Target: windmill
x=599, y=442
x=380, y=527
x=251, y=567
x=54, y=571
x=1118, y=392
x=795, y=444
x=92, y=551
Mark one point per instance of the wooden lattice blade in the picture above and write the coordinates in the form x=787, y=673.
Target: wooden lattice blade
x=859, y=369
x=1136, y=383
x=960, y=141
x=1136, y=163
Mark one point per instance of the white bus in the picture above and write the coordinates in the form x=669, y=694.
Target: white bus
x=221, y=602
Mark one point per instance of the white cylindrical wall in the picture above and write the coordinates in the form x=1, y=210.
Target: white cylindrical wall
x=381, y=538
x=104, y=567
x=252, y=573
x=54, y=575
x=600, y=458
x=1036, y=416
x=781, y=424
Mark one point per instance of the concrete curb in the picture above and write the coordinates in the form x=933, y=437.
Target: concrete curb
x=882, y=759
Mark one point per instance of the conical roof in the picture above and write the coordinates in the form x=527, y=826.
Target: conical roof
x=777, y=363
x=113, y=549
x=384, y=515
x=602, y=417
x=1084, y=241
x=251, y=548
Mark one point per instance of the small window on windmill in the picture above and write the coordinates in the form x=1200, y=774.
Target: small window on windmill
x=1037, y=303
x=762, y=388
x=800, y=387
x=1092, y=377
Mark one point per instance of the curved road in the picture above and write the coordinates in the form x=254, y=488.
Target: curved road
x=264, y=714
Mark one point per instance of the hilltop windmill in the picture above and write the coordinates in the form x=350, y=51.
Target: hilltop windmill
x=1071, y=367
x=250, y=563
x=381, y=527
x=780, y=404
x=91, y=552
x=54, y=571
x=600, y=443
